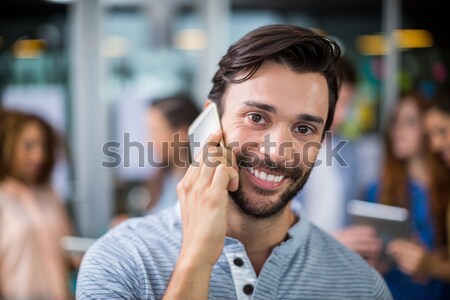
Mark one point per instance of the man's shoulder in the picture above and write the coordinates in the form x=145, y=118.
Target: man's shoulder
x=342, y=267
x=331, y=252
x=166, y=220
x=120, y=261
x=143, y=233
x=322, y=266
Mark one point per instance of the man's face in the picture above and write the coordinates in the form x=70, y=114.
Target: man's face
x=274, y=122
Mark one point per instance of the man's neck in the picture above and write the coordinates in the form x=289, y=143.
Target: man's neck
x=260, y=236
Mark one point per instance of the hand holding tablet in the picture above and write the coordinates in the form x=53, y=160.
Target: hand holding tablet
x=390, y=222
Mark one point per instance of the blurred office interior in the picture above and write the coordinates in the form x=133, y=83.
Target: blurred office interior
x=91, y=66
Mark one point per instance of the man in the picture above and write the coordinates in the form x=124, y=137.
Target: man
x=234, y=235
x=334, y=180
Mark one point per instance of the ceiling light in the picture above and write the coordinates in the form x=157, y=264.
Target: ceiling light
x=28, y=48
x=376, y=44
x=190, y=39
x=413, y=38
x=114, y=46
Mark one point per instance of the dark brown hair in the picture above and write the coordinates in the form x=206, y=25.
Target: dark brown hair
x=394, y=176
x=12, y=124
x=441, y=101
x=301, y=49
x=179, y=110
x=347, y=71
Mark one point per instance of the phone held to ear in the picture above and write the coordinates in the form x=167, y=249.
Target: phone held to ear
x=207, y=123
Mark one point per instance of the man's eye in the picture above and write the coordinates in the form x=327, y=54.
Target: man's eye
x=303, y=129
x=256, y=118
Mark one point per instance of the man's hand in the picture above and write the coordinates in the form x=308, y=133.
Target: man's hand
x=203, y=195
x=363, y=240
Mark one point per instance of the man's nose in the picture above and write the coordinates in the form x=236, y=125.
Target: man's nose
x=278, y=144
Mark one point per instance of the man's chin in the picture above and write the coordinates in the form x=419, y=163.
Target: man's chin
x=260, y=203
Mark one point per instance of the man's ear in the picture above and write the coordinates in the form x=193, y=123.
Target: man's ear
x=207, y=102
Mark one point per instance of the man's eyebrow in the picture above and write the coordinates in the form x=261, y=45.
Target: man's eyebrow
x=272, y=109
x=310, y=118
x=261, y=106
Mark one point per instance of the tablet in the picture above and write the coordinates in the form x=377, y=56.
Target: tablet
x=391, y=222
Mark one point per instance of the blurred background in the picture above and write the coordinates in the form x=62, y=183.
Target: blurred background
x=90, y=67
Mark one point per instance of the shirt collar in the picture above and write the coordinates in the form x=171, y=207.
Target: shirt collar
x=296, y=235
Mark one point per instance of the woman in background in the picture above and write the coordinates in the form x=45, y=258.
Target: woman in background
x=168, y=121
x=32, y=216
x=414, y=178
x=437, y=126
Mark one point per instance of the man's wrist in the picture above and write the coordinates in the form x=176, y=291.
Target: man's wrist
x=194, y=264
x=190, y=278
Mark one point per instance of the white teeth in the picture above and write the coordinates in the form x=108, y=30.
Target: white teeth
x=264, y=176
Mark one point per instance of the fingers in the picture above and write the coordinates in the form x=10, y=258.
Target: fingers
x=201, y=172
x=407, y=264
x=356, y=235
x=361, y=239
x=233, y=170
x=216, y=155
x=369, y=250
x=226, y=176
x=408, y=255
x=215, y=138
x=363, y=230
x=404, y=246
x=188, y=180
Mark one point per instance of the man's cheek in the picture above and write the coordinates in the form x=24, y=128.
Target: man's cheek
x=309, y=153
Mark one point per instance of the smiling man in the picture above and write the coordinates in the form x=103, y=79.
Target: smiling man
x=234, y=234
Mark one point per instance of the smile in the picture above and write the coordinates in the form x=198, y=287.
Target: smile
x=264, y=179
x=264, y=176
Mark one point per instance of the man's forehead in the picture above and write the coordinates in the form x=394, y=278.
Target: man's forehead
x=277, y=89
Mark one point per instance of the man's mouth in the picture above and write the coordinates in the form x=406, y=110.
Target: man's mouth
x=265, y=179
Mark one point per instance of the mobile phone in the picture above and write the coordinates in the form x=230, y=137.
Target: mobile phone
x=204, y=125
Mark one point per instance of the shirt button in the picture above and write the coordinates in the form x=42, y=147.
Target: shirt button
x=238, y=262
x=248, y=289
